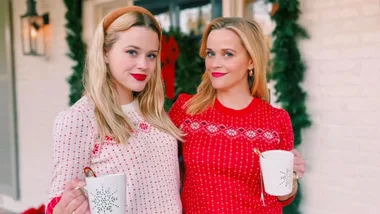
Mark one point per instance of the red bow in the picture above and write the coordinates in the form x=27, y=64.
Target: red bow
x=169, y=55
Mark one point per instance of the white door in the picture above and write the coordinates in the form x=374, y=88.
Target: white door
x=8, y=142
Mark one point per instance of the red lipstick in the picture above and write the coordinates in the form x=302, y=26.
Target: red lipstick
x=218, y=74
x=139, y=77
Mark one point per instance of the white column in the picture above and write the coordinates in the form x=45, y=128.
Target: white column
x=233, y=8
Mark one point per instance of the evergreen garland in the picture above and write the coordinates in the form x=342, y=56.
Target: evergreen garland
x=288, y=73
x=77, y=47
x=189, y=65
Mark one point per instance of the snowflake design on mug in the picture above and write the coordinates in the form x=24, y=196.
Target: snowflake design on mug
x=104, y=200
x=286, y=178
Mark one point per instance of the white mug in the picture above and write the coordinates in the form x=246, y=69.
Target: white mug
x=277, y=170
x=106, y=194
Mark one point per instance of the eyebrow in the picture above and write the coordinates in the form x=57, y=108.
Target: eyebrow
x=132, y=46
x=138, y=48
x=224, y=49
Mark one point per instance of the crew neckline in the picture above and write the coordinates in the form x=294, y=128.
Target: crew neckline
x=246, y=110
x=130, y=106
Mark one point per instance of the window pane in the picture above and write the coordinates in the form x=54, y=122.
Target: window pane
x=195, y=19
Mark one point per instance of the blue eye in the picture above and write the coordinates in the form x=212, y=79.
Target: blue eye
x=228, y=54
x=132, y=52
x=210, y=53
x=152, y=56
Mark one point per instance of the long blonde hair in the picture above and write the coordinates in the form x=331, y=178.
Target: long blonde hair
x=253, y=40
x=100, y=90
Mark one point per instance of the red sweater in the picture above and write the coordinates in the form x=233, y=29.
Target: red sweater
x=222, y=172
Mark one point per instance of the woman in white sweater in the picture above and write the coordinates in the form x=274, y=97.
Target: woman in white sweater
x=120, y=125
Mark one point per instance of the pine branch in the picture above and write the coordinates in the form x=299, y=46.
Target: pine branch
x=77, y=48
x=288, y=72
x=189, y=65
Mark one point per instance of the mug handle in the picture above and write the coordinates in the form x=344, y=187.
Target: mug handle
x=83, y=190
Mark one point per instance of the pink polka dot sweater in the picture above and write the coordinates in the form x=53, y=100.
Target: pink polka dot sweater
x=149, y=160
x=222, y=173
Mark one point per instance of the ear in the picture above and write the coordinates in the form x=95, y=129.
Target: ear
x=106, y=57
x=251, y=65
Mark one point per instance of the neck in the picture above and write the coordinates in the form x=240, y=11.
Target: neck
x=124, y=95
x=237, y=98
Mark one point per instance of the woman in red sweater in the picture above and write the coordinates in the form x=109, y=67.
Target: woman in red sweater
x=226, y=119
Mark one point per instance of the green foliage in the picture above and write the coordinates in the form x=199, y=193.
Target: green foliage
x=77, y=48
x=189, y=65
x=288, y=72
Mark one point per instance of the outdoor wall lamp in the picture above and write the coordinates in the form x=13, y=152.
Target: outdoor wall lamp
x=32, y=31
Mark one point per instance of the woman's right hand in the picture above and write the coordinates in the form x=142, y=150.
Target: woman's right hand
x=73, y=201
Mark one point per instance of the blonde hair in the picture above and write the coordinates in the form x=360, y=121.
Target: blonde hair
x=254, y=42
x=101, y=91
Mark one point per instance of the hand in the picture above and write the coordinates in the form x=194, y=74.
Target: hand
x=73, y=200
x=299, y=165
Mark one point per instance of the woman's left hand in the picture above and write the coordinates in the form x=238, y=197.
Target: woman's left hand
x=299, y=165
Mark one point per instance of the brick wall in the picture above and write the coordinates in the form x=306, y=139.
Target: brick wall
x=342, y=148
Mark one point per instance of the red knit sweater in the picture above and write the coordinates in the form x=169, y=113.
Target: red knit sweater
x=222, y=172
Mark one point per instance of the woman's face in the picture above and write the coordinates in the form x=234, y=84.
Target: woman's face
x=227, y=60
x=132, y=60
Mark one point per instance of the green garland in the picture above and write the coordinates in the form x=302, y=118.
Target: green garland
x=189, y=65
x=77, y=47
x=288, y=73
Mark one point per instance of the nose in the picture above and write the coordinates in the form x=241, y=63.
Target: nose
x=216, y=62
x=142, y=63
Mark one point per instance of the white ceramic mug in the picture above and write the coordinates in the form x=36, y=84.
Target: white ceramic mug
x=106, y=194
x=277, y=170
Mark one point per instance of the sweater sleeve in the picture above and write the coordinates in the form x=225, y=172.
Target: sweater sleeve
x=177, y=112
x=286, y=135
x=286, y=142
x=288, y=201
x=72, y=146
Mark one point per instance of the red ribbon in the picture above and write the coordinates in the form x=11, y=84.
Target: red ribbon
x=169, y=55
